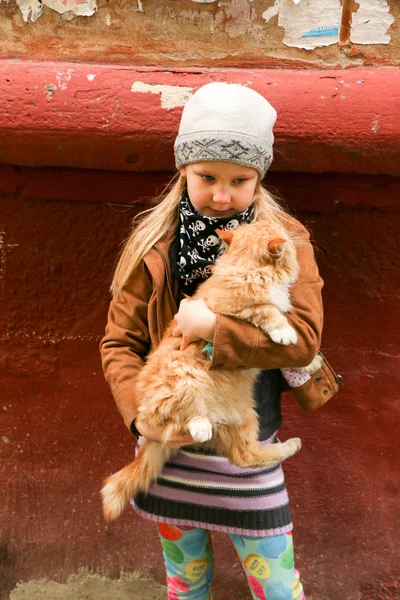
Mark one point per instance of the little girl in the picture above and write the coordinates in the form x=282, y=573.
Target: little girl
x=222, y=151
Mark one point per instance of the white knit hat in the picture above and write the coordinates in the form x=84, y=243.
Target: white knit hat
x=226, y=122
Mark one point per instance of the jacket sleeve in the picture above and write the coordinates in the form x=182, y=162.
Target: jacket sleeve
x=127, y=341
x=238, y=344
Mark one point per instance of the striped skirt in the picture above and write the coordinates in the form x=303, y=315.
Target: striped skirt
x=204, y=490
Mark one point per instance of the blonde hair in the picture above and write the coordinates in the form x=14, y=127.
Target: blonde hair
x=157, y=222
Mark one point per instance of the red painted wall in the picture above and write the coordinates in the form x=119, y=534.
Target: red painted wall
x=87, y=116
x=60, y=232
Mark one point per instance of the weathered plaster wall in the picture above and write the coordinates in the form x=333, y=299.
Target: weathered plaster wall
x=126, y=118
x=60, y=236
x=61, y=434
x=233, y=33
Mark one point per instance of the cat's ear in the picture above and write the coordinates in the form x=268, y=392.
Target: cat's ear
x=226, y=236
x=276, y=247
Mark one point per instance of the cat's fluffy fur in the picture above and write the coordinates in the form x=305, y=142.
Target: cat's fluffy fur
x=177, y=391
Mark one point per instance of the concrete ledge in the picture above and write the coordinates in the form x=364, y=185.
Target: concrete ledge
x=126, y=118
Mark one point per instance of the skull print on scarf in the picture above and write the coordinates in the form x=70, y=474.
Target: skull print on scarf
x=196, y=245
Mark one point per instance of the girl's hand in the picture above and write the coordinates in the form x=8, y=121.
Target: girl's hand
x=195, y=321
x=155, y=434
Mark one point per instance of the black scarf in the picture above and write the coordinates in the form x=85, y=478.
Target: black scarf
x=196, y=245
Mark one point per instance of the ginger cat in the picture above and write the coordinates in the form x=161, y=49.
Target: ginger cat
x=251, y=281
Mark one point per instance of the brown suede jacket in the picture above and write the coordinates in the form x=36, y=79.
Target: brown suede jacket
x=139, y=315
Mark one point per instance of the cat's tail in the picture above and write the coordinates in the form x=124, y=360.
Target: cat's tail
x=135, y=477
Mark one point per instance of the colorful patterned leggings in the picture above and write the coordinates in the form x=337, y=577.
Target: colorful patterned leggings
x=268, y=563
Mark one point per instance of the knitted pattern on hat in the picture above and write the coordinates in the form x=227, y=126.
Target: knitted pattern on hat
x=229, y=123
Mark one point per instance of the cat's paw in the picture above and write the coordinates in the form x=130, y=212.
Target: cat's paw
x=292, y=446
x=314, y=366
x=200, y=429
x=285, y=336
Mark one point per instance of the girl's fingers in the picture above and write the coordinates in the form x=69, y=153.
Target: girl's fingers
x=185, y=343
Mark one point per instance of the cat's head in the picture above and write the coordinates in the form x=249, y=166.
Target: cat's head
x=260, y=245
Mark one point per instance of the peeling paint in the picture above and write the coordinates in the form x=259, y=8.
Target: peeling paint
x=309, y=24
x=371, y=22
x=63, y=77
x=271, y=12
x=375, y=125
x=49, y=89
x=171, y=95
x=81, y=8
x=33, y=9
x=233, y=17
x=90, y=77
x=237, y=16
x=30, y=9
